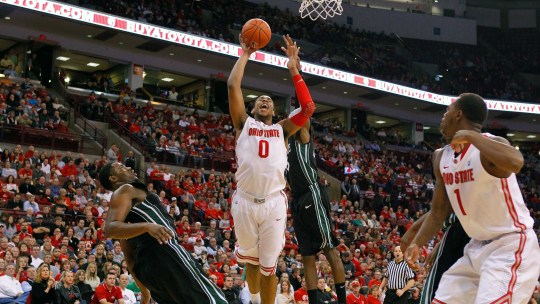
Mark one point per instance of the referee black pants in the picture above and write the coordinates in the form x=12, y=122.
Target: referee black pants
x=392, y=298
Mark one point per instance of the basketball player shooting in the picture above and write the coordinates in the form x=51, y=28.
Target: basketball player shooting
x=476, y=178
x=259, y=206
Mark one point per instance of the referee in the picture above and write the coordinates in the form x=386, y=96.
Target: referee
x=398, y=279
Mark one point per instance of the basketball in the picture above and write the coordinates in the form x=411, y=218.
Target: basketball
x=256, y=33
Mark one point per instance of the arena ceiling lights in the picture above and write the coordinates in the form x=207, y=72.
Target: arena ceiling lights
x=176, y=37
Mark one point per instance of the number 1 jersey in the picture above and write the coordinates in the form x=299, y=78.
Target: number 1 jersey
x=262, y=158
x=487, y=206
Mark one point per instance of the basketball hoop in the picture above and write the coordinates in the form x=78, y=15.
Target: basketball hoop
x=323, y=9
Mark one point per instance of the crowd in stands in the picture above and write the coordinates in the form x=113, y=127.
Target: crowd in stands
x=521, y=45
x=185, y=136
x=26, y=104
x=467, y=68
x=380, y=55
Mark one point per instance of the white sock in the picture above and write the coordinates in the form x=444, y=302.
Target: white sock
x=256, y=298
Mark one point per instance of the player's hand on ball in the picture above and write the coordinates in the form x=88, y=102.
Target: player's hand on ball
x=246, y=48
x=160, y=233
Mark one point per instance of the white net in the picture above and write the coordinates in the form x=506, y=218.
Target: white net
x=323, y=9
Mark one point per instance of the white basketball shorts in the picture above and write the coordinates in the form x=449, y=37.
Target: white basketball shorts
x=259, y=225
x=504, y=270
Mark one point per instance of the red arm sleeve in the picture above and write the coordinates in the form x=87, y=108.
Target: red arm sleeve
x=307, y=107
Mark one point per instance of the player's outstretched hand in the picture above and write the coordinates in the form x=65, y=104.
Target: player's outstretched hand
x=411, y=256
x=292, y=51
x=160, y=233
x=246, y=48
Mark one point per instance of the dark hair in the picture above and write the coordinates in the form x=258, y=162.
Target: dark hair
x=104, y=175
x=473, y=106
x=364, y=290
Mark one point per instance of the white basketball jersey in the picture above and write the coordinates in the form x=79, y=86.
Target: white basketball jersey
x=262, y=158
x=486, y=206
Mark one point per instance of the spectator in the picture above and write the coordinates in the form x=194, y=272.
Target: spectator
x=301, y=295
x=91, y=276
x=39, y=230
x=374, y=295
x=355, y=297
x=354, y=191
x=5, y=62
x=285, y=293
x=43, y=291
x=415, y=295
x=108, y=291
x=36, y=261
x=10, y=288
x=112, y=154
x=66, y=291
x=69, y=169
x=86, y=290
x=31, y=203
x=130, y=160
x=10, y=72
x=377, y=279
x=232, y=295
x=27, y=186
x=348, y=266
x=128, y=295
x=118, y=254
x=172, y=94
x=323, y=294
x=11, y=185
x=40, y=186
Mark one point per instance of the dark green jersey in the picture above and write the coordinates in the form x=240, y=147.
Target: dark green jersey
x=302, y=169
x=151, y=210
x=168, y=270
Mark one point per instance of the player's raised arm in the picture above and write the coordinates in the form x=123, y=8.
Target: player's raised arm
x=496, y=152
x=434, y=220
x=300, y=116
x=234, y=85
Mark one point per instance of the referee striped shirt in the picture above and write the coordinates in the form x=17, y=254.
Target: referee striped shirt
x=398, y=274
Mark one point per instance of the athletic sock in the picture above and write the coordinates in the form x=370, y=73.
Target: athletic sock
x=256, y=298
x=312, y=295
x=341, y=294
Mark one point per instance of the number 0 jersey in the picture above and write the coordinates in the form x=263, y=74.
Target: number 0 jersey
x=487, y=206
x=262, y=158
